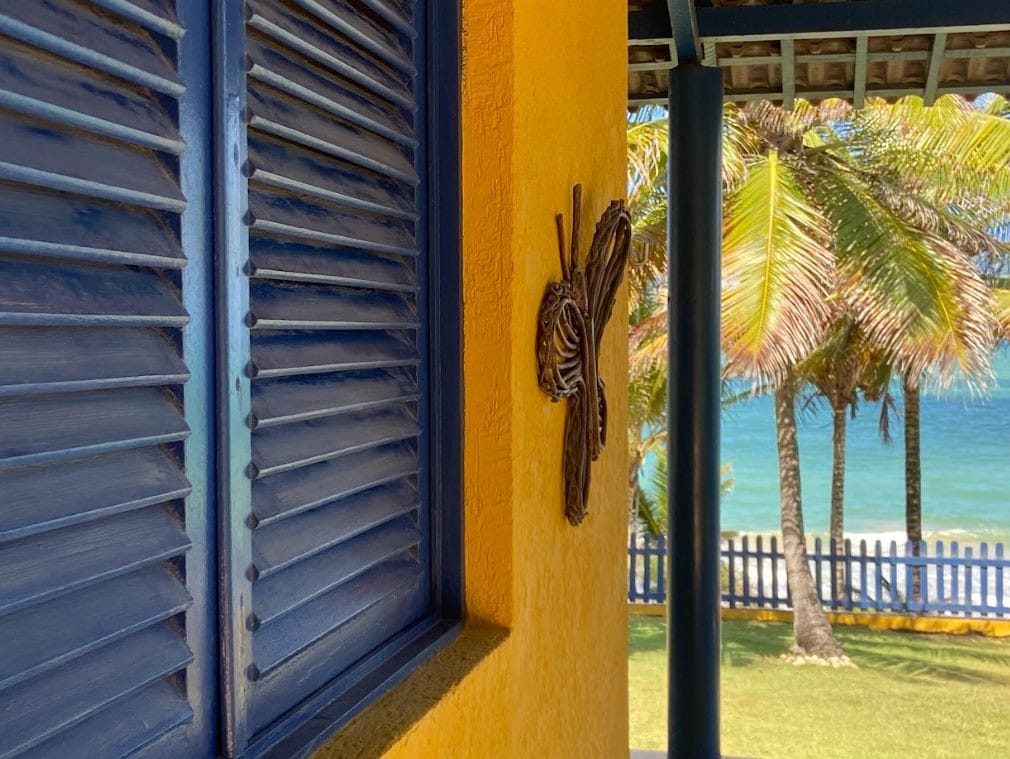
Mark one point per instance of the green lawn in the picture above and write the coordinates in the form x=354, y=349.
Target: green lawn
x=913, y=696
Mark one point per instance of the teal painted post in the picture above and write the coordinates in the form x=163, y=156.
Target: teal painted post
x=693, y=398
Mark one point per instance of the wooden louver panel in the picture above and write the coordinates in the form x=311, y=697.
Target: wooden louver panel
x=94, y=600
x=339, y=524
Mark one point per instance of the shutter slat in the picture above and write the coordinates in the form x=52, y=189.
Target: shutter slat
x=280, y=545
x=301, y=398
x=290, y=493
x=289, y=73
x=278, y=306
x=72, y=31
x=282, y=593
x=272, y=694
x=35, y=154
x=56, y=294
x=279, y=642
x=47, y=88
x=299, y=445
x=294, y=168
x=286, y=355
x=342, y=58
x=157, y=16
x=56, y=225
x=42, y=637
x=130, y=726
x=295, y=262
x=273, y=112
x=396, y=13
x=38, y=709
x=34, y=499
x=68, y=426
x=292, y=215
x=64, y=360
x=292, y=588
x=354, y=25
x=55, y=563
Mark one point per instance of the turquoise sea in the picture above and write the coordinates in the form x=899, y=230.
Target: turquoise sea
x=965, y=467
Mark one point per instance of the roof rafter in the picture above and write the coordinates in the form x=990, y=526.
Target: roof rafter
x=853, y=49
x=686, y=47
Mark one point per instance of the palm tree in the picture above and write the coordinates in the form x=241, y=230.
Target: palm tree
x=832, y=211
x=908, y=194
x=842, y=367
x=778, y=270
x=957, y=157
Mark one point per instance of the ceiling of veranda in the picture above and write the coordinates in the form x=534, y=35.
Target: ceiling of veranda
x=775, y=61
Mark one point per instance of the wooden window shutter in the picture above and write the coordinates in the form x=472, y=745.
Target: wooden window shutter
x=104, y=643
x=327, y=381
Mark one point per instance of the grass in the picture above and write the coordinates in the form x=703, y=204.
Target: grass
x=918, y=696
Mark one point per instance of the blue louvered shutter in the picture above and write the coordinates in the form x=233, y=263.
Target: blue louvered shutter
x=330, y=510
x=103, y=523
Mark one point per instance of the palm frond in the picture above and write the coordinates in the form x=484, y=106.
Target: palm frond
x=777, y=273
x=949, y=151
x=916, y=295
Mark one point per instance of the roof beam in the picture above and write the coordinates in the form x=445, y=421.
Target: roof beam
x=859, y=71
x=933, y=71
x=788, y=75
x=882, y=92
x=684, y=31
x=823, y=20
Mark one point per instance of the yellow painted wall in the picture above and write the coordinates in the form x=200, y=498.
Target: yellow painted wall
x=542, y=669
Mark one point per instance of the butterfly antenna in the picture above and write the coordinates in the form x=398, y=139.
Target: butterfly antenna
x=559, y=221
x=576, y=223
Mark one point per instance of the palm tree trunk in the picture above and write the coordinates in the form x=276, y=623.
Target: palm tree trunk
x=838, y=410
x=810, y=626
x=913, y=476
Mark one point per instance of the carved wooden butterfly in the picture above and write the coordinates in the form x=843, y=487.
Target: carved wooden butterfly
x=573, y=315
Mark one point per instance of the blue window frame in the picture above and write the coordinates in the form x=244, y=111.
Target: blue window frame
x=229, y=359
x=335, y=389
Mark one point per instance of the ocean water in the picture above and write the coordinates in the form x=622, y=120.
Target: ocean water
x=965, y=468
